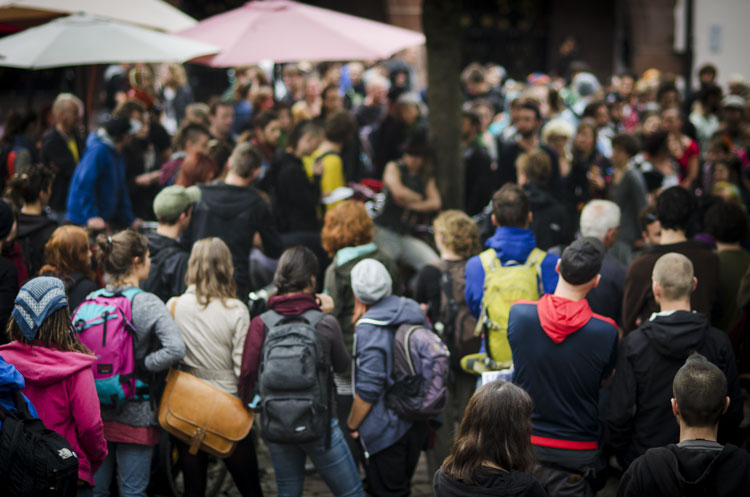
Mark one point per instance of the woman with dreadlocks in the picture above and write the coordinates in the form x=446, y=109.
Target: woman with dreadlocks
x=58, y=373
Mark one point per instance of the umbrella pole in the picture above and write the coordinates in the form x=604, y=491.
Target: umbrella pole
x=90, y=94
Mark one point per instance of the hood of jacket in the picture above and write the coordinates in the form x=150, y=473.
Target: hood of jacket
x=42, y=366
x=28, y=224
x=394, y=311
x=512, y=244
x=293, y=304
x=161, y=247
x=226, y=201
x=11, y=379
x=538, y=195
x=100, y=137
x=700, y=472
x=491, y=484
x=561, y=317
x=677, y=334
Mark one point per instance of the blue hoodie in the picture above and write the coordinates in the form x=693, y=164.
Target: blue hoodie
x=511, y=244
x=98, y=187
x=373, y=355
x=11, y=381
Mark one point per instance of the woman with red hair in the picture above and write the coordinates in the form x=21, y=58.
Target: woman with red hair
x=197, y=169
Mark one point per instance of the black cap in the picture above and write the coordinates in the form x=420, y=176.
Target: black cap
x=416, y=143
x=582, y=260
x=117, y=127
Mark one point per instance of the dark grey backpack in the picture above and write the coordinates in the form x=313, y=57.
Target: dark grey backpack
x=294, y=381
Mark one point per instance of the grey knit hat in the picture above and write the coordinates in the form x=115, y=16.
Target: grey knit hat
x=37, y=299
x=370, y=281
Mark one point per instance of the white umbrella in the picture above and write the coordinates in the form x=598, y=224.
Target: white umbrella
x=83, y=40
x=150, y=13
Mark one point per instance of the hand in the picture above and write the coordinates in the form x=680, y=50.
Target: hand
x=147, y=179
x=96, y=224
x=318, y=167
x=325, y=302
x=353, y=433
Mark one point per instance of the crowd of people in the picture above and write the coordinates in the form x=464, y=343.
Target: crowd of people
x=600, y=260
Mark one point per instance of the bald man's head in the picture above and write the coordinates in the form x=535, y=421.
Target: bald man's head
x=673, y=273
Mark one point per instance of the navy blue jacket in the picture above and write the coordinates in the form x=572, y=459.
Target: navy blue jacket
x=98, y=187
x=373, y=355
x=561, y=353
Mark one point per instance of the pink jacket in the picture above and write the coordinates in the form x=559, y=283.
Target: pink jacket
x=61, y=387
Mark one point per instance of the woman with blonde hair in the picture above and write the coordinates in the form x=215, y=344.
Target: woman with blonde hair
x=440, y=289
x=214, y=325
x=492, y=454
x=67, y=255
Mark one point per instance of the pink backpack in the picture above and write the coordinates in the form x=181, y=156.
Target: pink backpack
x=104, y=324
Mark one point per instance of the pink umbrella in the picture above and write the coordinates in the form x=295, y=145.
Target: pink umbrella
x=287, y=31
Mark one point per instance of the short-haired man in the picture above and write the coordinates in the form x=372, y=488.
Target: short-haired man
x=221, y=117
x=173, y=207
x=563, y=354
x=392, y=443
x=266, y=134
x=528, y=123
x=478, y=171
x=234, y=211
x=512, y=241
x=638, y=416
x=674, y=209
x=548, y=217
x=600, y=219
x=698, y=464
x=375, y=103
x=62, y=148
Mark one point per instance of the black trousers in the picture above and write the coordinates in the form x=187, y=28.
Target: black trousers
x=389, y=472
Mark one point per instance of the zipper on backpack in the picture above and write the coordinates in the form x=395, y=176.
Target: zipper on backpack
x=104, y=328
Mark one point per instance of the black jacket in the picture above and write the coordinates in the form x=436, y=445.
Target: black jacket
x=479, y=178
x=688, y=470
x=56, y=155
x=33, y=233
x=548, y=222
x=169, y=261
x=490, y=483
x=8, y=292
x=77, y=287
x=234, y=214
x=296, y=198
x=606, y=298
x=640, y=414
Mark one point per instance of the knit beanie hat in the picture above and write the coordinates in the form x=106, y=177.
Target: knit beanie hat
x=37, y=299
x=370, y=281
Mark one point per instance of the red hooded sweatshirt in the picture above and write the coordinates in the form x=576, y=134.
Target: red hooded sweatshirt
x=61, y=387
x=560, y=317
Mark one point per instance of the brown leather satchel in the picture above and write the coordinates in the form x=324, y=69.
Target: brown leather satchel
x=202, y=415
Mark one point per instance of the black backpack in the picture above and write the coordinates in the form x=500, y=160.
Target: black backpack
x=295, y=381
x=34, y=461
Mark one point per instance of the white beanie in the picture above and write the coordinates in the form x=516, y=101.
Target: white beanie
x=370, y=281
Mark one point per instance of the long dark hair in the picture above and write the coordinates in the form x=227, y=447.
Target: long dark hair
x=496, y=429
x=295, y=271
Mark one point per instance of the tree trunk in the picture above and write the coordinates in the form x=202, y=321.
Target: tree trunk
x=441, y=25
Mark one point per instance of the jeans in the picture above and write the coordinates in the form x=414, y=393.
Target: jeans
x=133, y=467
x=335, y=465
x=405, y=249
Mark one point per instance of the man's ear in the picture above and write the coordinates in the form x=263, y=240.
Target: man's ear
x=695, y=283
x=726, y=405
x=675, y=407
x=597, y=280
x=656, y=289
x=494, y=221
x=557, y=266
x=531, y=217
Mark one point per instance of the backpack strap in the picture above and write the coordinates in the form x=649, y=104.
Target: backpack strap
x=313, y=316
x=271, y=318
x=535, y=259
